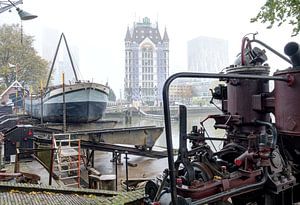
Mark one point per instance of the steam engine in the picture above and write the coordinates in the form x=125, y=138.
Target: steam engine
x=259, y=162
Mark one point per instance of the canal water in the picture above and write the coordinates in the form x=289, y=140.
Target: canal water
x=150, y=167
x=193, y=119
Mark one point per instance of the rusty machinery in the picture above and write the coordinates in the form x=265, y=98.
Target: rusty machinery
x=259, y=162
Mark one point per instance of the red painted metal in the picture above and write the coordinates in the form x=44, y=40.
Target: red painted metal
x=200, y=190
x=241, y=92
x=287, y=98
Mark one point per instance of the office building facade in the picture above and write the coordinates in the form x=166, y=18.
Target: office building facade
x=146, y=63
x=207, y=55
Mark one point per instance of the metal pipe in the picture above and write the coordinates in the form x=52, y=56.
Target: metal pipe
x=17, y=160
x=273, y=129
x=116, y=167
x=160, y=188
x=64, y=104
x=292, y=49
x=93, y=158
x=234, y=191
x=51, y=163
x=182, y=130
x=126, y=166
x=166, y=105
x=42, y=107
x=272, y=50
x=23, y=101
x=30, y=105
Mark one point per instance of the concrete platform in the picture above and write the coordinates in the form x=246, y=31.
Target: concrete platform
x=145, y=168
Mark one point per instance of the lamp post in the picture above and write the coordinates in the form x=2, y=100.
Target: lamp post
x=23, y=14
x=4, y=6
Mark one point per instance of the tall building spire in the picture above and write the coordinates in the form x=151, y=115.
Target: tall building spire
x=128, y=35
x=146, y=62
x=166, y=37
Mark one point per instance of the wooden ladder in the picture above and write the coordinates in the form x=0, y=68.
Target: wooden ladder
x=67, y=159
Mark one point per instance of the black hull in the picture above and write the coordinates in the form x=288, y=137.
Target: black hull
x=84, y=103
x=76, y=112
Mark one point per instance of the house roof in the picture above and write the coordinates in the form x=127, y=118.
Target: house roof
x=15, y=84
x=143, y=30
x=35, y=194
x=128, y=35
x=166, y=37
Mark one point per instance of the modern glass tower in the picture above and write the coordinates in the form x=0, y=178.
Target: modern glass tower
x=207, y=55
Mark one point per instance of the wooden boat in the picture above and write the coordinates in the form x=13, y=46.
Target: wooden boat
x=84, y=101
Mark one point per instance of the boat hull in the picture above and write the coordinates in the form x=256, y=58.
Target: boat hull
x=84, y=103
x=76, y=112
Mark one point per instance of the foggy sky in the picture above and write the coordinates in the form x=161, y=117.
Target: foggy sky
x=98, y=28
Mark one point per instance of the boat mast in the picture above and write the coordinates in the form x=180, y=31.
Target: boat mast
x=70, y=57
x=54, y=59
